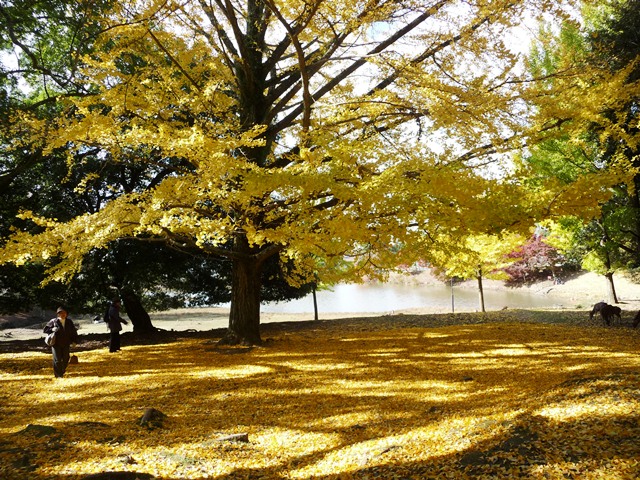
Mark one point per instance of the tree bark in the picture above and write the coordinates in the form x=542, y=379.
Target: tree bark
x=480, y=292
x=634, y=199
x=244, y=316
x=136, y=313
x=613, y=298
x=315, y=304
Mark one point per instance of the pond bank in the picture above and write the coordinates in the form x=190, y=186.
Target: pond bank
x=576, y=294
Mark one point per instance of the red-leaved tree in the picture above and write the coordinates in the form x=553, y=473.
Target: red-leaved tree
x=537, y=261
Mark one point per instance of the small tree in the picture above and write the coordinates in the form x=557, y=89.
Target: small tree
x=483, y=256
x=533, y=261
x=595, y=248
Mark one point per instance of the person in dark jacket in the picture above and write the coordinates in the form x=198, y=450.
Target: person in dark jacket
x=66, y=334
x=114, y=325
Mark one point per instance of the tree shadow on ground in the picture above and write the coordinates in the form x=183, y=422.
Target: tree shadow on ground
x=360, y=387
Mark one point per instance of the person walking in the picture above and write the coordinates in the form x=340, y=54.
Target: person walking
x=65, y=334
x=115, y=325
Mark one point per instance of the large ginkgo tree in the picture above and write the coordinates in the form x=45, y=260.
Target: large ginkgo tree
x=344, y=137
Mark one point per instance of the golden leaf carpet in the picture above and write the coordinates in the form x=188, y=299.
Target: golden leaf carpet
x=501, y=395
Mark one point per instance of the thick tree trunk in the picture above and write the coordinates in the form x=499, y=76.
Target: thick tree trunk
x=244, y=317
x=136, y=313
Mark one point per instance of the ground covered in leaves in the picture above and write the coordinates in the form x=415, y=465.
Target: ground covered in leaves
x=502, y=395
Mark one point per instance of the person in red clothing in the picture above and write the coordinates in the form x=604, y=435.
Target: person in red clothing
x=66, y=334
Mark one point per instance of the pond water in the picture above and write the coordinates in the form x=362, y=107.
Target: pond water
x=348, y=298
x=354, y=298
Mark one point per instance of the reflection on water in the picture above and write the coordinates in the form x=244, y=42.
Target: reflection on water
x=353, y=298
